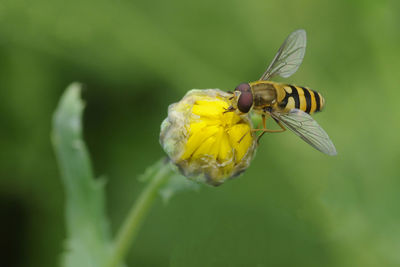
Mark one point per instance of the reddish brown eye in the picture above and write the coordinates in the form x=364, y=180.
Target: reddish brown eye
x=245, y=102
x=243, y=87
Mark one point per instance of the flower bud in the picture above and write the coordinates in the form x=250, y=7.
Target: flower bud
x=206, y=142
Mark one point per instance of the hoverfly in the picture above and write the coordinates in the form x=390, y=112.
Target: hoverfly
x=288, y=105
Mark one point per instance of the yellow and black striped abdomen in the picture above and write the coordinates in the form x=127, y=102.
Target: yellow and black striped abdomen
x=305, y=99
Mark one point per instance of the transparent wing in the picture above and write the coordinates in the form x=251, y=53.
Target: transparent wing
x=303, y=125
x=289, y=56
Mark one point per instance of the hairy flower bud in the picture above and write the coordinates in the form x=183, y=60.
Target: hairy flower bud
x=207, y=143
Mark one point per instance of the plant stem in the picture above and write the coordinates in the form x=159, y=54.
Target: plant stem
x=138, y=212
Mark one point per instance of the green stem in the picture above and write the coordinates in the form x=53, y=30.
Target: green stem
x=137, y=214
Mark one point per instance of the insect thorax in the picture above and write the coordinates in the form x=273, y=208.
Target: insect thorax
x=264, y=94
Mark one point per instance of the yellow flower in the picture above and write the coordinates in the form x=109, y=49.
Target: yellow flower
x=205, y=142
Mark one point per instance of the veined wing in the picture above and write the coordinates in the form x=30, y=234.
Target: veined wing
x=289, y=56
x=303, y=125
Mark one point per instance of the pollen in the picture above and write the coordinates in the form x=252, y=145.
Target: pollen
x=207, y=143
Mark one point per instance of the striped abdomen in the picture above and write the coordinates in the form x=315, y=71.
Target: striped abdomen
x=290, y=97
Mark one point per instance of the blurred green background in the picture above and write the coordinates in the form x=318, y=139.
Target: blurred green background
x=293, y=207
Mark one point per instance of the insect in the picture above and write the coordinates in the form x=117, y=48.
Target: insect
x=288, y=105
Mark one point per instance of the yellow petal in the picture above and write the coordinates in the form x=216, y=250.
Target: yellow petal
x=196, y=139
x=240, y=138
x=219, y=103
x=210, y=111
x=209, y=121
x=244, y=147
x=197, y=126
x=231, y=118
x=205, y=148
x=225, y=150
x=215, y=149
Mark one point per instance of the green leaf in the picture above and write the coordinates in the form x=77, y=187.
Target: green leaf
x=88, y=236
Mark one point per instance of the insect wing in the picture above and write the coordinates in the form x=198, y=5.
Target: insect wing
x=303, y=125
x=289, y=56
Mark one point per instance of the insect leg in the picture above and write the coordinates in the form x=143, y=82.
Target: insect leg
x=241, y=138
x=252, y=130
x=269, y=130
x=280, y=125
x=229, y=109
x=265, y=130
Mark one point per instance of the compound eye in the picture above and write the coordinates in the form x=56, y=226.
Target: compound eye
x=245, y=102
x=243, y=87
